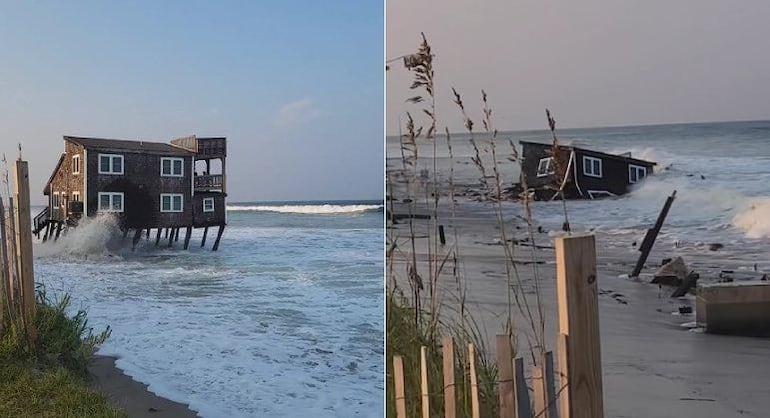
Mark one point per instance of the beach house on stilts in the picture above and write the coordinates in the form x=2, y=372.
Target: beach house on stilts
x=146, y=185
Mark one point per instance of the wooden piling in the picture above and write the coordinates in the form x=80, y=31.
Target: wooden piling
x=398, y=379
x=649, y=239
x=137, y=237
x=176, y=234
x=475, y=411
x=577, y=293
x=448, y=352
x=24, y=248
x=166, y=236
x=441, y=236
x=424, y=382
x=219, y=236
x=59, y=226
x=45, y=234
x=203, y=240
x=505, y=376
x=170, y=237
x=187, y=237
x=157, y=236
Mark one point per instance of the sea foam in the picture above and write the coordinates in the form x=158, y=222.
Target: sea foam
x=307, y=209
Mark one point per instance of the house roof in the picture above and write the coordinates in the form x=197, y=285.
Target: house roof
x=47, y=188
x=595, y=153
x=128, y=146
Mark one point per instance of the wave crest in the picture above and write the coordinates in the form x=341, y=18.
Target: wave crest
x=306, y=209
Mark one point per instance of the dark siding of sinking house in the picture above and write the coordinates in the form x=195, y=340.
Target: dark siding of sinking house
x=142, y=186
x=65, y=182
x=615, y=172
x=209, y=218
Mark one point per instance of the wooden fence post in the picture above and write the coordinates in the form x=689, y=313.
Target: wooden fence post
x=5, y=294
x=424, y=382
x=448, y=351
x=505, y=376
x=24, y=247
x=578, y=305
x=523, y=407
x=398, y=380
x=475, y=412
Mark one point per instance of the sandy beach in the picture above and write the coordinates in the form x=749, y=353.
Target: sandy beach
x=134, y=398
x=652, y=365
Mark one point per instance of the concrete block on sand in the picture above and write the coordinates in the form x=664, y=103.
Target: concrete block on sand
x=739, y=308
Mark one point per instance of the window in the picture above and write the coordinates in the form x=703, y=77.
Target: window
x=76, y=164
x=598, y=194
x=110, y=164
x=110, y=202
x=545, y=167
x=171, y=202
x=636, y=173
x=592, y=166
x=55, y=200
x=208, y=204
x=76, y=196
x=171, y=167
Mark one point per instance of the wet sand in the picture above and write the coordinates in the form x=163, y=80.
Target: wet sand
x=652, y=366
x=130, y=396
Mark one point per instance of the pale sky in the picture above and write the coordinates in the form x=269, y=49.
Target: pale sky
x=594, y=63
x=296, y=86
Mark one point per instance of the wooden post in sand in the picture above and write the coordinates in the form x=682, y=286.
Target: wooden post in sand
x=24, y=247
x=448, y=352
x=475, y=409
x=649, y=239
x=425, y=399
x=505, y=376
x=578, y=304
x=398, y=380
x=5, y=294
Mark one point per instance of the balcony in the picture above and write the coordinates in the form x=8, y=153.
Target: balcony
x=212, y=147
x=209, y=183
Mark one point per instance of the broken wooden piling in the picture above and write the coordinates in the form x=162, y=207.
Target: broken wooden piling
x=652, y=234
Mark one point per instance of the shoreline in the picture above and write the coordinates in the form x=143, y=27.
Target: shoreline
x=132, y=397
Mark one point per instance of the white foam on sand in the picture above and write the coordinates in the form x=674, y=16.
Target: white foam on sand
x=307, y=209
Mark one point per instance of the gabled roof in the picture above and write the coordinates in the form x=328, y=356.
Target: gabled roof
x=594, y=153
x=47, y=188
x=127, y=146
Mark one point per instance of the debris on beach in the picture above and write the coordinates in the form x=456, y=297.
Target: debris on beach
x=739, y=308
x=671, y=273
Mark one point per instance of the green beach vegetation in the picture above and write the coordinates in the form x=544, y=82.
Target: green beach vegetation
x=48, y=377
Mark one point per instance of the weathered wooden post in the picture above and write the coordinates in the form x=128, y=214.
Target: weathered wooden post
x=157, y=236
x=505, y=376
x=187, y=235
x=543, y=388
x=5, y=294
x=219, y=237
x=24, y=247
x=579, y=343
x=649, y=239
x=448, y=352
x=424, y=382
x=398, y=380
x=523, y=405
x=203, y=240
x=475, y=409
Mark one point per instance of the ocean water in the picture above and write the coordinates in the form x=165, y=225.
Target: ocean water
x=286, y=319
x=721, y=172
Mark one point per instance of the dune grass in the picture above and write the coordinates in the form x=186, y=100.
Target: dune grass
x=50, y=379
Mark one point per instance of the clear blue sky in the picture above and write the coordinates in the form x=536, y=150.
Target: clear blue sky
x=296, y=86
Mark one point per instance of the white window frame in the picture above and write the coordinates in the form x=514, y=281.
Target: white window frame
x=111, y=195
x=76, y=194
x=172, y=196
x=208, y=200
x=55, y=200
x=76, y=164
x=635, y=168
x=588, y=162
x=112, y=157
x=598, y=194
x=172, y=174
x=549, y=168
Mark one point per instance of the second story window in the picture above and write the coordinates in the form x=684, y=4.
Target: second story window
x=208, y=204
x=545, y=167
x=171, y=167
x=110, y=164
x=76, y=164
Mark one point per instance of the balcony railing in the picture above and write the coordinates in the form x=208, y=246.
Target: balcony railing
x=211, y=182
x=212, y=147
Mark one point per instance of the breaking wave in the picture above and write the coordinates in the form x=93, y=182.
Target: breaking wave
x=307, y=209
x=94, y=237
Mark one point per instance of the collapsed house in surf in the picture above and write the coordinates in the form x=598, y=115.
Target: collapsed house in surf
x=585, y=174
x=145, y=185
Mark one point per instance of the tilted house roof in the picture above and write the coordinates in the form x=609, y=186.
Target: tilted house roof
x=121, y=145
x=594, y=153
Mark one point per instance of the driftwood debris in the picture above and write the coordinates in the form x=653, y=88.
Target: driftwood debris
x=652, y=234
